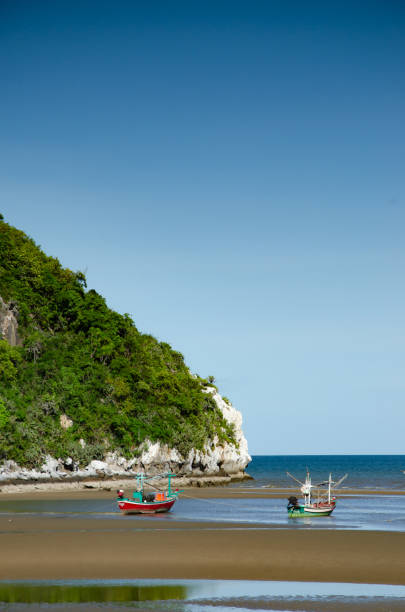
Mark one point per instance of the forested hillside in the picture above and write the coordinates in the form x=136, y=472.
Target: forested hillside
x=76, y=357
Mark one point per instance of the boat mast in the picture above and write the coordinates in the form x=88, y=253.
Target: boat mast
x=169, y=488
x=306, y=490
x=329, y=487
x=139, y=481
x=309, y=488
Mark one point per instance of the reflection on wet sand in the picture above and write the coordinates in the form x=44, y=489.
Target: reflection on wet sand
x=85, y=593
x=203, y=595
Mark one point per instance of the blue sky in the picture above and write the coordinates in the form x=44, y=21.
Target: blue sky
x=231, y=174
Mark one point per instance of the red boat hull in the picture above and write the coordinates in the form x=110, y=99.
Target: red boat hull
x=134, y=507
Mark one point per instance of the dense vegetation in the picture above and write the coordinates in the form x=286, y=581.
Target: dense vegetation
x=79, y=358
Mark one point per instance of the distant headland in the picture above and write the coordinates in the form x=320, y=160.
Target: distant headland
x=85, y=395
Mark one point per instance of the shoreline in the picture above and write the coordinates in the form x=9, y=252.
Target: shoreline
x=18, y=485
x=209, y=488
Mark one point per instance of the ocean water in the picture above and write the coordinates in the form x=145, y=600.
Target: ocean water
x=374, y=472
x=363, y=512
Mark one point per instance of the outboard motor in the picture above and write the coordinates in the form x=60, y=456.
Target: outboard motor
x=293, y=503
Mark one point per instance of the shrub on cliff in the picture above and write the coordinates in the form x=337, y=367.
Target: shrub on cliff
x=80, y=359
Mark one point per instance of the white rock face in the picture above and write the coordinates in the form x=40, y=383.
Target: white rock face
x=65, y=422
x=216, y=459
x=233, y=459
x=8, y=323
x=49, y=470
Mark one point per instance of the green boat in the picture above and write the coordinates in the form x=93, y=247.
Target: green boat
x=323, y=506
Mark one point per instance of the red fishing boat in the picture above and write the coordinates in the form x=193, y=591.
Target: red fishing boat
x=150, y=502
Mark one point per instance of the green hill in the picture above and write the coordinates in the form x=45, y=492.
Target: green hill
x=76, y=357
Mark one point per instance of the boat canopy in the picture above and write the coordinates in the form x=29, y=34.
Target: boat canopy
x=142, y=479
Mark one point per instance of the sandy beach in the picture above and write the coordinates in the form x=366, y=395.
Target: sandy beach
x=72, y=547
x=61, y=548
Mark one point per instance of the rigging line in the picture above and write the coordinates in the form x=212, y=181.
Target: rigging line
x=153, y=487
x=210, y=501
x=190, y=497
x=216, y=502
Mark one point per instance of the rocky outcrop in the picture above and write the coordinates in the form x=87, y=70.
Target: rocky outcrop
x=65, y=422
x=217, y=463
x=8, y=323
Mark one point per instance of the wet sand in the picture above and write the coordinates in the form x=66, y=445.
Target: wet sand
x=50, y=548
x=107, y=491
x=76, y=548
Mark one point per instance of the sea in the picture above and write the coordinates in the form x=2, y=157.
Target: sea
x=365, y=474
x=372, y=472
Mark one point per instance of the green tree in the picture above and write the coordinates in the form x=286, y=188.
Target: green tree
x=118, y=386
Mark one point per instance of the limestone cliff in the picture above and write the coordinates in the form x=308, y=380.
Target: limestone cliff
x=88, y=390
x=8, y=323
x=216, y=463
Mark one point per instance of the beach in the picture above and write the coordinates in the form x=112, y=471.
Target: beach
x=49, y=549
x=55, y=546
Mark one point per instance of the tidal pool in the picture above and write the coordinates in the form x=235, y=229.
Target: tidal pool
x=385, y=513
x=198, y=596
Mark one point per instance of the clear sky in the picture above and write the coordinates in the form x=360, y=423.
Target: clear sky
x=232, y=175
